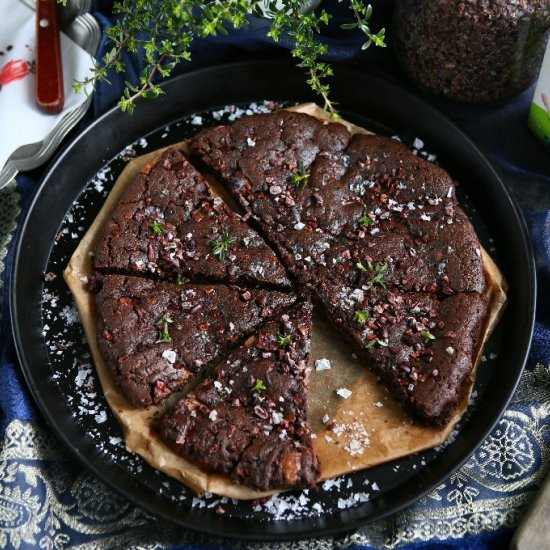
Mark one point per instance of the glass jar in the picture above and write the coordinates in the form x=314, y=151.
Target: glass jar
x=472, y=50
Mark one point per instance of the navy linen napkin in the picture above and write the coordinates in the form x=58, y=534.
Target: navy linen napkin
x=500, y=130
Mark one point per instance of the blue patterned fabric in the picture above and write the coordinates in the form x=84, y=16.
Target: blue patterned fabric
x=477, y=507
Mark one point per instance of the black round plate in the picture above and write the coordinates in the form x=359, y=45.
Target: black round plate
x=55, y=357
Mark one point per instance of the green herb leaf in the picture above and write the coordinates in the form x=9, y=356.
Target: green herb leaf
x=365, y=221
x=284, y=340
x=181, y=280
x=260, y=386
x=378, y=277
x=377, y=342
x=163, y=320
x=427, y=336
x=156, y=228
x=222, y=245
x=360, y=266
x=361, y=316
x=164, y=335
x=300, y=178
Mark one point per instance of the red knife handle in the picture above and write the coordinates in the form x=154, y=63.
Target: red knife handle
x=49, y=73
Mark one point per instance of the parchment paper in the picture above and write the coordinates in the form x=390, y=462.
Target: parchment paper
x=366, y=429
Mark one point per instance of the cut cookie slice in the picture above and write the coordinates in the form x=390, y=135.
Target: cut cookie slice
x=249, y=419
x=157, y=336
x=168, y=223
x=420, y=344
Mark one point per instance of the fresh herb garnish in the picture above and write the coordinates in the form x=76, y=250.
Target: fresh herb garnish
x=164, y=335
x=378, y=278
x=365, y=221
x=284, y=340
x=221, y=246
x=156, y=228
x=377, y=341
x=260, y=386
x=167, y=34
x=427, y=336
x=361, y=316
x=181, y=280
x=300, y=178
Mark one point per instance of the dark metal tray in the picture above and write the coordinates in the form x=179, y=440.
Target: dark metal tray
x=55, y=357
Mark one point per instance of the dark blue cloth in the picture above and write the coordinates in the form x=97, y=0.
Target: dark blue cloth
x=499, y=129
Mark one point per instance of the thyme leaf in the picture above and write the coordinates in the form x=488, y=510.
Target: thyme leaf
x=222, y=245
x=284, y=340
x=361, y=316
x=164, y=334
x=260, y=386
x=300, y=178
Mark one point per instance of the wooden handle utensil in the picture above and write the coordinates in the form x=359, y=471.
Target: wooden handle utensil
x=50, y=96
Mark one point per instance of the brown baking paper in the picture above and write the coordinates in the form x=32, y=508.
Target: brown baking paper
x=366, y=429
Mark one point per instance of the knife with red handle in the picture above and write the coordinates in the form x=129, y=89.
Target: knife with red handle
x=50, y=96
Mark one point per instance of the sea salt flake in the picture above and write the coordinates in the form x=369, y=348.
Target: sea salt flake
x=379, y=404
x=418, y=143
x=250, y=142
x=450, y=350
x=343, y=392
x=213, y=415
x=169, y=355
x=326, y=418
x=101, y=417
x=299, y=226
x=322, y=364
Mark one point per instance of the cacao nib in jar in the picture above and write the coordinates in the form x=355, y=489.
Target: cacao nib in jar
x=472, y=50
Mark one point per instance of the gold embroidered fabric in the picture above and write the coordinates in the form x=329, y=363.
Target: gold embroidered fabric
x=47, y=501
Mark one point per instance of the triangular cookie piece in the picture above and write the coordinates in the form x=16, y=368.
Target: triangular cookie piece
x=168, y=223
x=157, y=336
x=420, y=344
x=249, y=418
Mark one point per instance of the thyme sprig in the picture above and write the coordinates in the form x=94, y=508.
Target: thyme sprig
x=365, y=221
x=361, y=316
x=300, y=178
x=164, y=334
x=362, y=15
x=378, y=278
x=427, y=336
x=260, y=386
x=284, y=340
x=166, y=32
x=377, y=342
x=222, y=245
x=156, y=228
